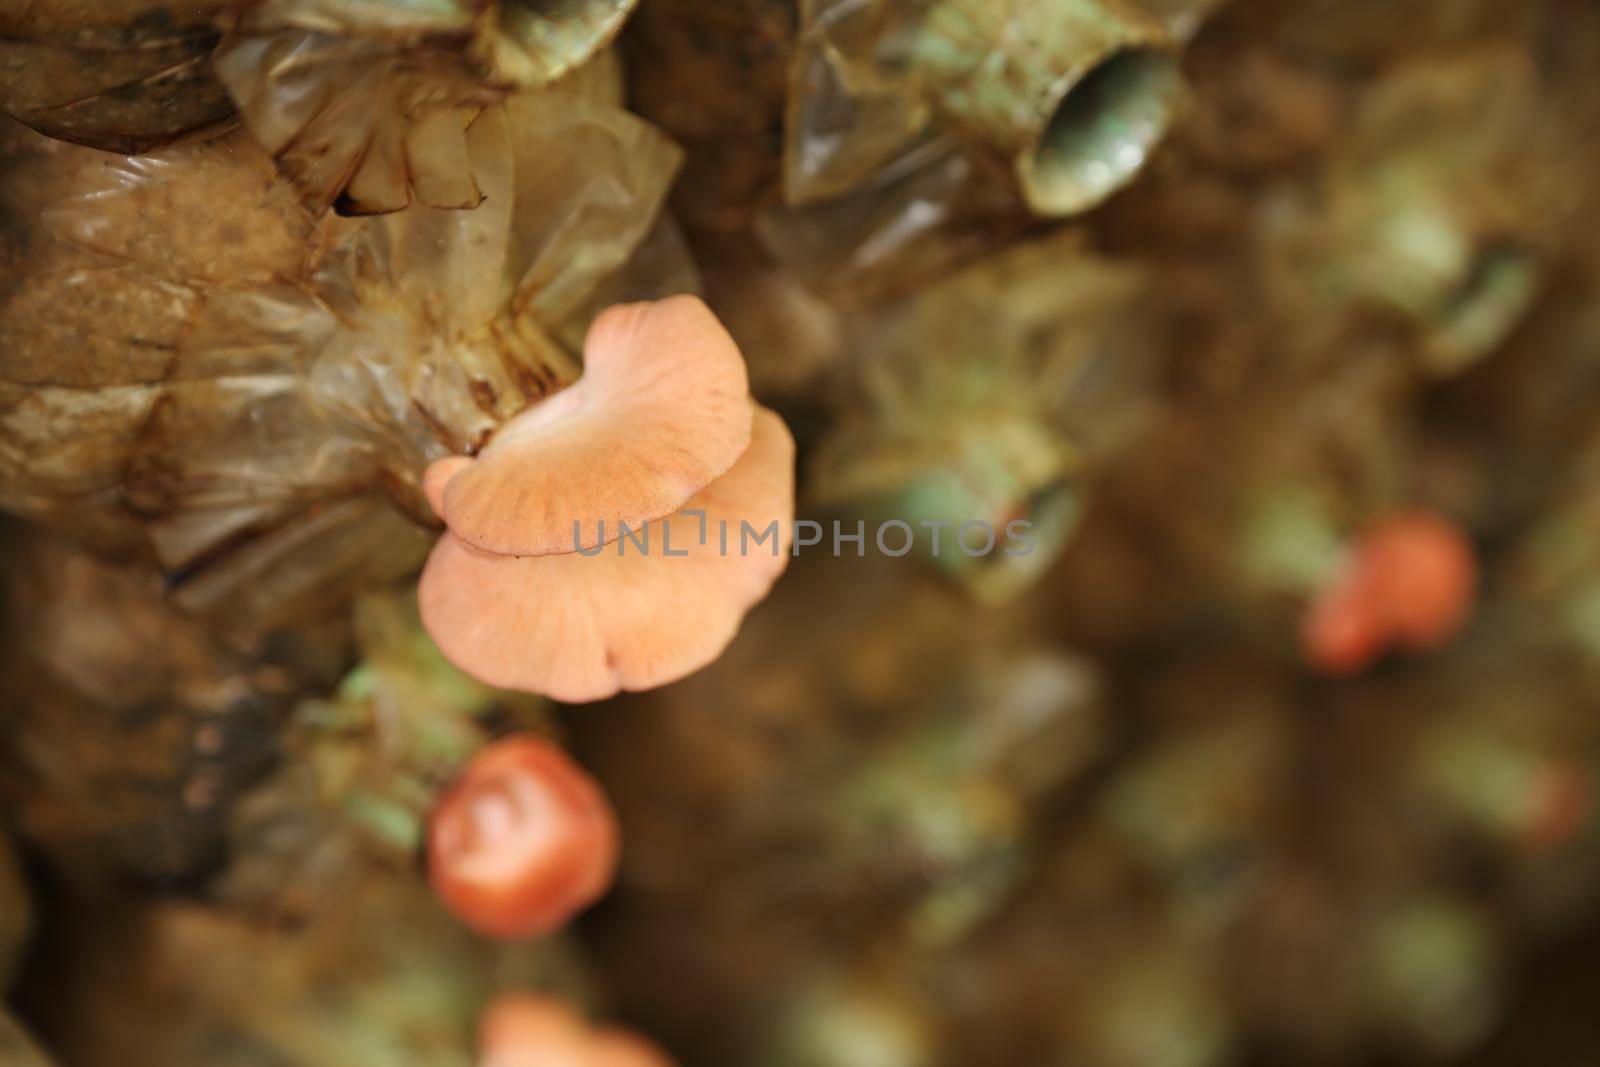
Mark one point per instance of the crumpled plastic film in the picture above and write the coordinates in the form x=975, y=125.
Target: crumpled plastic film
x=845, y=121
x=361, y=105
x=122, y=75
x=345, y=118
x=936, y=204
x=285, y=380
x=1074, y=93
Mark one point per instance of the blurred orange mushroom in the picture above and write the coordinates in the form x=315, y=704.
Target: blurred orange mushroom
x=639, y=614
x=524, y=1030
x=1427, y=577
x=523, y=841
x=662, y=410
x=1409, y=581
x=1342, y=633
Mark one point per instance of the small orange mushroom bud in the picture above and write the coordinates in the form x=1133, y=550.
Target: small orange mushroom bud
x=1342, y=634
x=1562, y=802
x=619, y=1048
x=523, y=841
x=1410, y=581
x=1426, y=578
x=523, y=1030
x=580, y=627
x=662, y=411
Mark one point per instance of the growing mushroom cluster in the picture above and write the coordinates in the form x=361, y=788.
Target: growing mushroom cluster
x=558, y=572
x=258, y=387
x=421, y=427
x=522, y=841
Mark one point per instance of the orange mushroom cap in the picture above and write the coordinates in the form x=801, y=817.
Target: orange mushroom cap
x=662, y=411
x=524, y=1030
x=1342, y=633
x=437, y=476
x=1410, y=581
x=1561, y=805
x=578, y=627
x=1427, y=578
x=619, y=1048
x=523, y=841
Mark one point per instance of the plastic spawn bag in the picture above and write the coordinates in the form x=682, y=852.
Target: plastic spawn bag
x=847, y=119
x=366, y=103
x=938, y=203
x=256, y=392
x=991, y=396
x=123, y=75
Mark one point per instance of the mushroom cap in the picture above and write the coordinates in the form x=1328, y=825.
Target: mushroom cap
x=612, y=1047
x=1427, y=577
x=523, y=841
x=583, y=627
x=525, y=1030
x=437, y=476
x=1341, y=632
x=662, y=411
x=1410, y=582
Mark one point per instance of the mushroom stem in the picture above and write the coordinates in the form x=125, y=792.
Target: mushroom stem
x=1076, y=92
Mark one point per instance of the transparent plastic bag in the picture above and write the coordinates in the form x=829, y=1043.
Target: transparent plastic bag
x=122, y=75
x=363, y=108
x=846, y=120
x=257, y=426
x=993, y=396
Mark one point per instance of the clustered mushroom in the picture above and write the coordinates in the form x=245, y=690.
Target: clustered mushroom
x=524, y=1030
x=522, y=842
x=1409, y=583
x=614, y=535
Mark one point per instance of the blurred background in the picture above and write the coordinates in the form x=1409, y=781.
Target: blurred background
x=1236, y=303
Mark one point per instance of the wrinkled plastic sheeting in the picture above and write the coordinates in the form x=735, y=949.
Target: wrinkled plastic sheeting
x=362, y=109
x=120, y=75
x=847, y=119
x=1045, y=330
x=279, y=383
x=348, y=122
x=875, y=201
x=519, y=44
x=938, y=203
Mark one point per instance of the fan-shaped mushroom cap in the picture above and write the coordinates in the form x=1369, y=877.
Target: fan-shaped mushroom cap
x=582, y=627
x=661, y=412
x=438, y=475
x=522, y=842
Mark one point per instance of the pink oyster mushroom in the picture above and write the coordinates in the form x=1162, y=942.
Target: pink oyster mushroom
x=530, y=587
